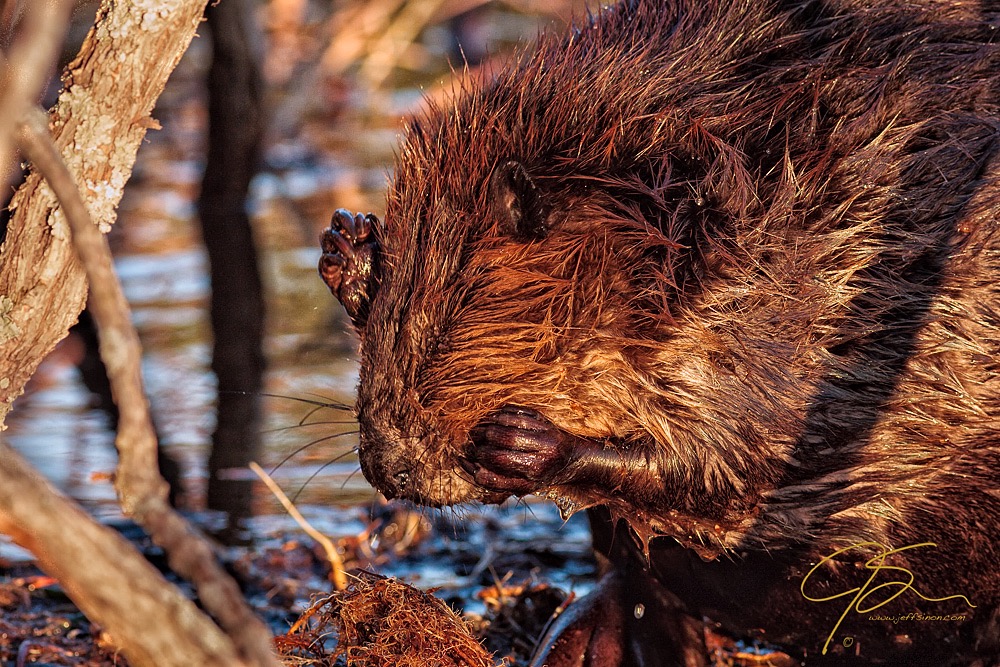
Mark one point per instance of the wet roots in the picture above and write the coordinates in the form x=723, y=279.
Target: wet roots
x=382, y=622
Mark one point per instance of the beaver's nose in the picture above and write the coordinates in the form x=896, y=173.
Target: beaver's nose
x=385, y=465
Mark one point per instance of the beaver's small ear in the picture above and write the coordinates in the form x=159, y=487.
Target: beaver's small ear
x=518, y=202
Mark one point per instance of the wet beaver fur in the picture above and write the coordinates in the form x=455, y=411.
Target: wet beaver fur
x=729, y=271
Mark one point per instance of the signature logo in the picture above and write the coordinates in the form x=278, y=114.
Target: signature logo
x=885, y=579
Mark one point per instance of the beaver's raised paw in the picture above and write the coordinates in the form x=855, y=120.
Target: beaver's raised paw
x=517, y=451
x=350, y=254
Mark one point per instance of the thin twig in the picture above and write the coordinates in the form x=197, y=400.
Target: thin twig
x=391, y=46
x=336, y=562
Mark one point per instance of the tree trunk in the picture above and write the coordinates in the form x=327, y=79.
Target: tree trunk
x=235, y=119
x=98, y=123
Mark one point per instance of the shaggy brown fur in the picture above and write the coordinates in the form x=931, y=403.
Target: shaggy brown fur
x=727, y=268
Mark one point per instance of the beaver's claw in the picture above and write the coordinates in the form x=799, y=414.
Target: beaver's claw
x=517, y=451
x=348, y=264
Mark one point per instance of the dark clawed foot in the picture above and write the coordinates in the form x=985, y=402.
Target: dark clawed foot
x=516, y=451
x=604, y=628
x=350, y=254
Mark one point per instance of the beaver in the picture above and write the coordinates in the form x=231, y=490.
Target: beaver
x=725, y=273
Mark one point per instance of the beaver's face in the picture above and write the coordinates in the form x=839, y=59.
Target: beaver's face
x=519, y=313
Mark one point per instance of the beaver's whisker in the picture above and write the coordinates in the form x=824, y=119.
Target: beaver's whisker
x=315, y=473
x=351, y=476
x=279, y=429
x=310, y=444
x=326, y=403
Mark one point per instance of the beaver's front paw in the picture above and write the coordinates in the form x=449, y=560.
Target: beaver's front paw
x=348, y=264
x=516, y=451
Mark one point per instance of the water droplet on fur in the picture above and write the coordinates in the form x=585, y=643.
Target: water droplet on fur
x=567, y=507
x=639, y=611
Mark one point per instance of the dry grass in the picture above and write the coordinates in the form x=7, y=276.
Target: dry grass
x=381, y=622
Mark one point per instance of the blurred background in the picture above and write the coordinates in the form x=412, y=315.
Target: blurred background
x=335, y=81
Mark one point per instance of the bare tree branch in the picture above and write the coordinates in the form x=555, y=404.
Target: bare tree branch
x=147, y=617
x=137, y=477
x=141, y=489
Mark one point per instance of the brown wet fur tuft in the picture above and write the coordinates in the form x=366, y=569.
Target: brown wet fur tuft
x=748, y=248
